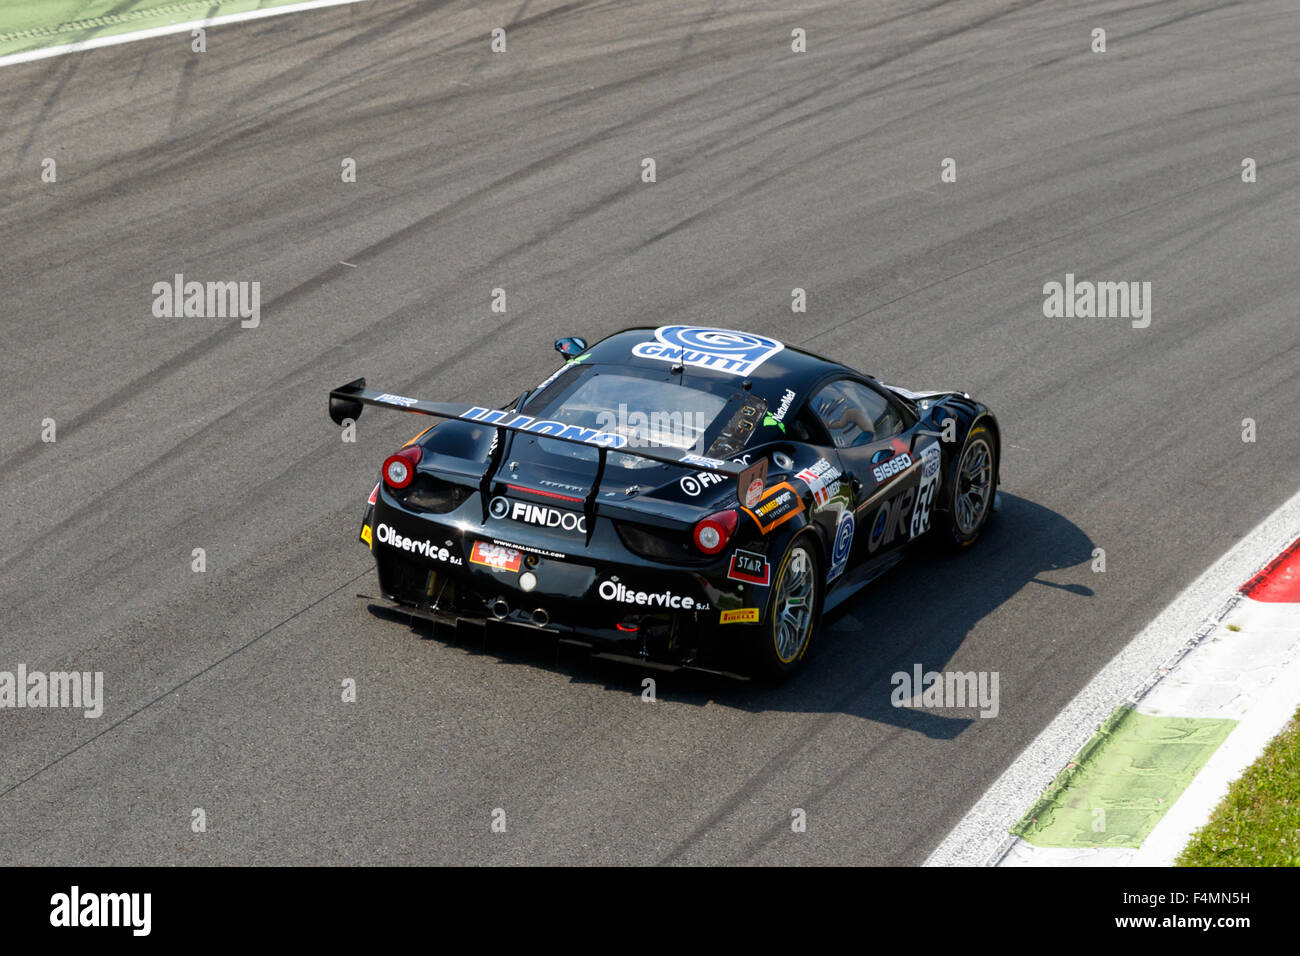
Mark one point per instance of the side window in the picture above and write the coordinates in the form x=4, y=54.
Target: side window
x=855, y=414
x=806, y=427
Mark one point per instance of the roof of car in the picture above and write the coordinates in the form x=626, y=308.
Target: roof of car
x=719, y=354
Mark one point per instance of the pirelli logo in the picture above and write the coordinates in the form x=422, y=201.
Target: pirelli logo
x=742, y=615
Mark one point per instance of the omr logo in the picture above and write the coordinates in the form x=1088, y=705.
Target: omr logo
x=891, y=517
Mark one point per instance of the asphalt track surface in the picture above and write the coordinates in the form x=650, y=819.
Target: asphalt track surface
x=521, y=171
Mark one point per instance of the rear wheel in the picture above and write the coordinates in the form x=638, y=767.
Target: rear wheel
x=781, y=643
x=974, y=486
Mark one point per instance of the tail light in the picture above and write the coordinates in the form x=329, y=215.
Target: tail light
x=713, y=533
x=399, y=469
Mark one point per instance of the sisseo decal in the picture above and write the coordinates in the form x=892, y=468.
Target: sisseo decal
x=622, y=594
x=930, y=458
x=899, y=463
x=722, y=350
x=891, y=461
x=389, y=536
x=842, y=547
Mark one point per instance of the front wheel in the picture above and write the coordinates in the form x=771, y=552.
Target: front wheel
x=781, y=643
x=974, y=487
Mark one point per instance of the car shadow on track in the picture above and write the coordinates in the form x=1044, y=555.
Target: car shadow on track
x=919, y=614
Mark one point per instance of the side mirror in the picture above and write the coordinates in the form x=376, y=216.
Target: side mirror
x=571, y=347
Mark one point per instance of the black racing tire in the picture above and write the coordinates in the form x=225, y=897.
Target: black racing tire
x=973, y=489
x=780, y=645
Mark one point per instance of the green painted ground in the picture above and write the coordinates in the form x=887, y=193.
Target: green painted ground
x=1258, y=823
x=1123, y=781
x=27, y=25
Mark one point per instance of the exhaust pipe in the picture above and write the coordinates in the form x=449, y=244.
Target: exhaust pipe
x=500, y=609
x=540, y=617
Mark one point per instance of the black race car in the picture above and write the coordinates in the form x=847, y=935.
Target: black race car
x=681, y=496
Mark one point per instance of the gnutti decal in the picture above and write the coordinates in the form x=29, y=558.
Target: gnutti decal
x=390, y=536
x=722, y=350
x=622, y=594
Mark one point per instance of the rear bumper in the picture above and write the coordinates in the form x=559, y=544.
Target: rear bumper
x=449, y=569
x=627, y=650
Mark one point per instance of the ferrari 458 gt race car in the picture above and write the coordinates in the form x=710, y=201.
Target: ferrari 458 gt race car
x=680, y=496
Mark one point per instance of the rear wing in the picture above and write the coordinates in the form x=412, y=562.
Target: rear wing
x=346, y=402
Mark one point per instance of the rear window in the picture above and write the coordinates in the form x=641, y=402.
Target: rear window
x=651, y=413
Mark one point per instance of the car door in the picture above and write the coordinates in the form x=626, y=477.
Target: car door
x=892, y=486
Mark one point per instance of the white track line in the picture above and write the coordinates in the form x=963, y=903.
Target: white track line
x=981, y=837
x=186, y=27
